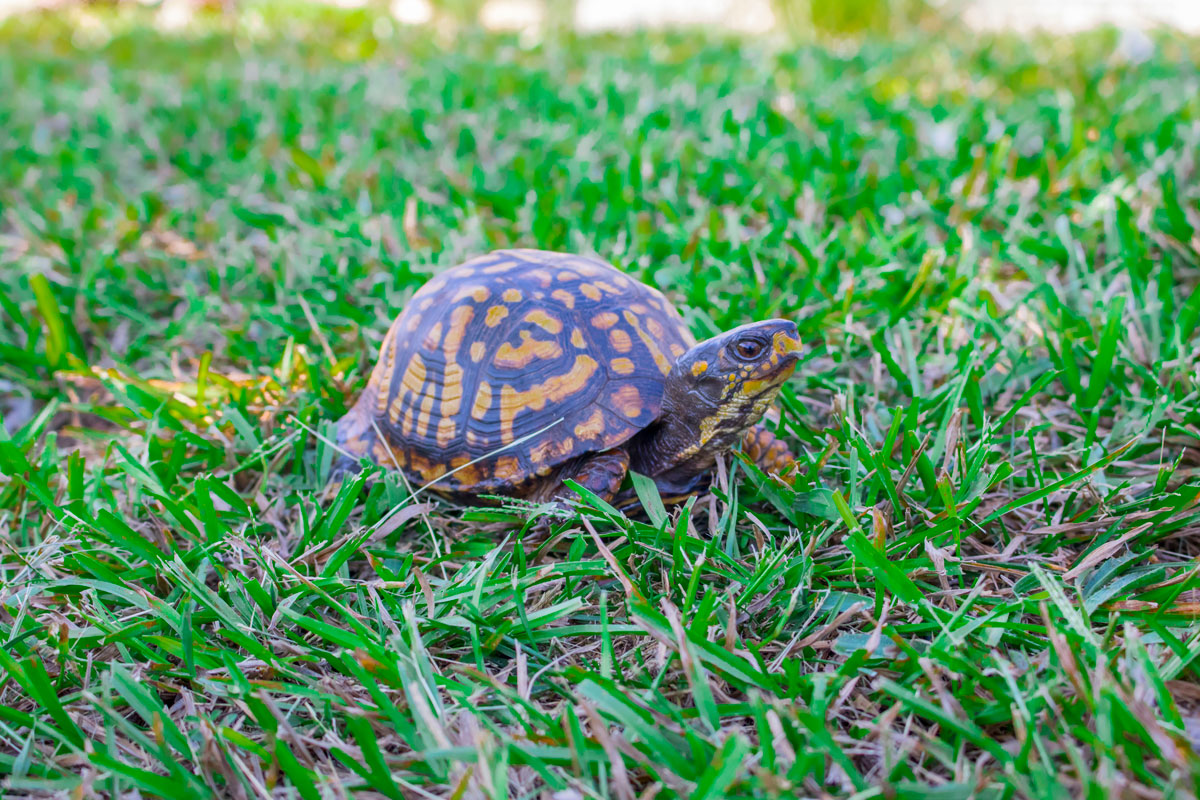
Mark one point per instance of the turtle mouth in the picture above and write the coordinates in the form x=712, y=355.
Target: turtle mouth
x=772, y=378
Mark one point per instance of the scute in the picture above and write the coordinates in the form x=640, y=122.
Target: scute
x=522, y=358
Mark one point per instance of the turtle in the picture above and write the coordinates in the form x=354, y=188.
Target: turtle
x=520, y=369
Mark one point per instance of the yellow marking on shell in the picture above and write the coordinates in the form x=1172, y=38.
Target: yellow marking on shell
x=434, y=337
x=507, y=469
x=586, y=267
x=655, y=328
x=413, y=323
x=425, y=416
x=639, y=308
x=445, y=432
x=425, y=304
x=510, y=357
x=465, y=475
x=577, y=338
x=554, y=389
x=677, y=350
x=699, y=368
x=381, y=375
x=622, y=366
x=428, y=470
x=551, y=449
x=407, y=426
x=564, y=297
x=476, y=293
x=542, y=276
x=620, y=340
x=412, y=381
x=483, y=401
x=664, y=363
x=494, y=316
x=544, y=321
x=511, y=296
x=590, y=291
x=604, y=286
x=627, y=400
x=478, y=351
x=460, y=318
x=503, y=266
x=567, y=275
x=614, y=438
x=387, y=456
x=591, y=427
x=605, y=320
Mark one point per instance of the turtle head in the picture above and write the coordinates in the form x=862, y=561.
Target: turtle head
x=724, y=385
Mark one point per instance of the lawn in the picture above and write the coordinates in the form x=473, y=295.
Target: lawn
x=983, y=582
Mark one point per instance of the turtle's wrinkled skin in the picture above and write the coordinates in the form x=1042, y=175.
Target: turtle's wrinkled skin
x=522, y=368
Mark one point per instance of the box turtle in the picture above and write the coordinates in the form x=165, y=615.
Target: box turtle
x=520, y=369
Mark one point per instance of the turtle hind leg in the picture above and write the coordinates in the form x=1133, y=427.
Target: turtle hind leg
x=599, y=473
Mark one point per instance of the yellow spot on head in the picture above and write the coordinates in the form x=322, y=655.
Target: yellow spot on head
x=699, y=368
x=495, y=315
x=511, y=296
x=544, y=321
x=622, y=366
x=478, y=351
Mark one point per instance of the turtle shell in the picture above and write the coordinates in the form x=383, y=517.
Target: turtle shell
x=518, y=361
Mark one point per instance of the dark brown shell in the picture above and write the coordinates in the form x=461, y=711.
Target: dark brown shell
x=559, y=354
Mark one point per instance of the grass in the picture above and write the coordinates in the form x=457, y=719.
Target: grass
x=983, y=583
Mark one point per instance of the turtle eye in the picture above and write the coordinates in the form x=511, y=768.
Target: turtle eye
x=749, y=349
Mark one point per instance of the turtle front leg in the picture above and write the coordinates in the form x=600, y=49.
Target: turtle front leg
x=599, y=473
x=767, y=451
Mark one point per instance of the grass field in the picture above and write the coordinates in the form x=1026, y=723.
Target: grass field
x=983, y=583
